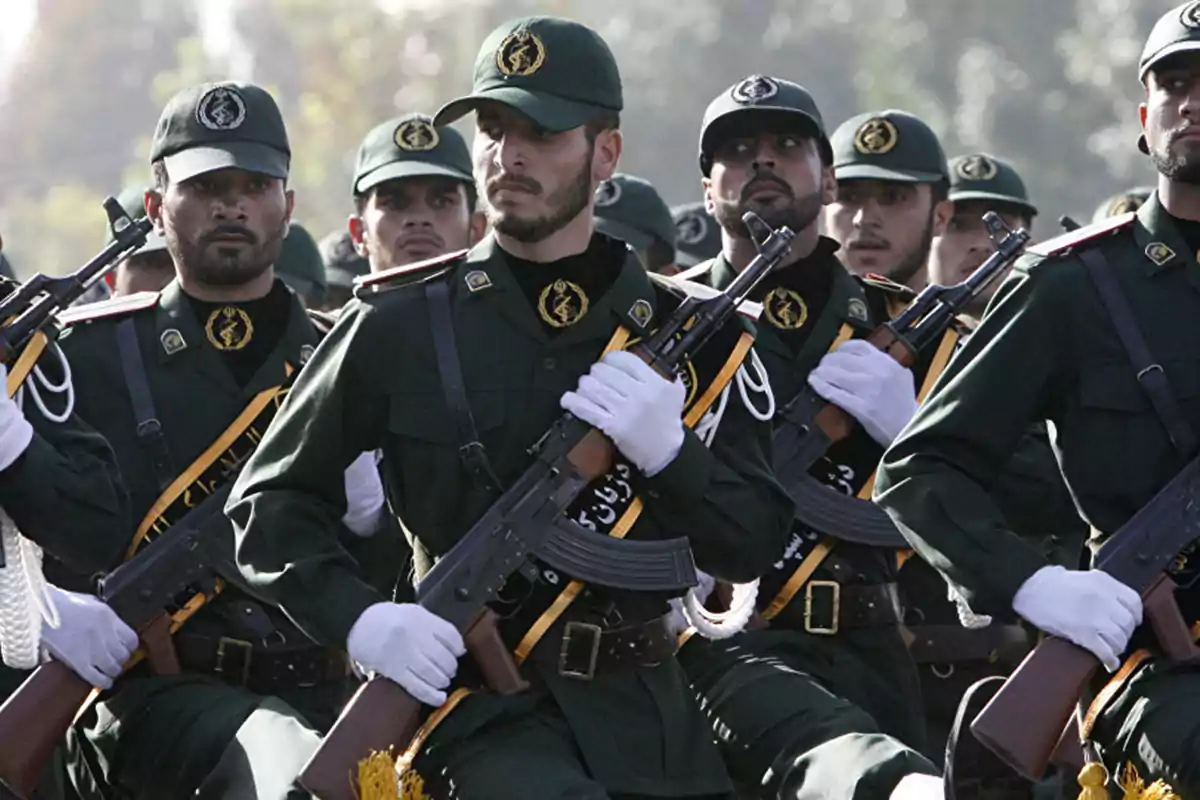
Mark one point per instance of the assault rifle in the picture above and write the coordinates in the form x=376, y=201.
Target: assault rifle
x=189, y=556
x=37, y=299
x=1024, y=722
x=810, y=425
x=527, y=522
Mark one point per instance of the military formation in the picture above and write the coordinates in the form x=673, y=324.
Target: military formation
x=871, y=535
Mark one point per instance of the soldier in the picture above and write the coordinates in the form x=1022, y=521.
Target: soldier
x=150, y=269
x=824, y=703
x=697, y=235
x=301, y=267
x=164, y=377
x=414, y=196
x=1048, y=349
x=891, y=202
x=343, y=265
x=531, y=309
x=1122, y=203
x=630, y=209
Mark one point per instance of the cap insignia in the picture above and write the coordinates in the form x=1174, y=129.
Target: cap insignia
x=976, y=168
x=754, y=89
x=607, y=193
x=221, y=109
x=416, y=136
x=520, y=54
x=691, y=228
x=876, y=136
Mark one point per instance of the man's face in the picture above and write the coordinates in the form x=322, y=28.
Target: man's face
x=965, y=245
x=774, y=171
x=412, y=219
x=1170, y=116
x=535, y=181
x=223, y=228
x=885, y=227
x=143, y=272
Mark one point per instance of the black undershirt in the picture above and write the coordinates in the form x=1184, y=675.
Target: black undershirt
x=811, y=279
x=269, y=317
x=593, y=271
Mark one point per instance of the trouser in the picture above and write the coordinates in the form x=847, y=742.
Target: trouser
x=786, y=727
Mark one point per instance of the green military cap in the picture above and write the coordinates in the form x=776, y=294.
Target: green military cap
x=888, y=146
x=697, y=234
x=342, y=262
x=131, y=199
x=631, y=209
x=1122, y=203
x=980, y=176
x=1177, y=31
x=219, y=126
x=407, y=147
x=755, y=97
x=300, y=265
x=559, y=73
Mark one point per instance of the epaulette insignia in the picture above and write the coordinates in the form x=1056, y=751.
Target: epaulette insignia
x=888, y=285
x=1061, y=244
x=401, y=276
x=677, y=285
x=125, y=304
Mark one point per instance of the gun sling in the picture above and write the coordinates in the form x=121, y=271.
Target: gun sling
x=149, y=429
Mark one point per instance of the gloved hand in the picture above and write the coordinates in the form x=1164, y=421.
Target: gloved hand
x=15, y=431
x=635, y=407
x=90, y=638
x=364, y=496
x=409, y=645
x=1090, y=608
x=870, y=386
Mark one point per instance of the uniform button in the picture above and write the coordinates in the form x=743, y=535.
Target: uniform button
x=549, y=364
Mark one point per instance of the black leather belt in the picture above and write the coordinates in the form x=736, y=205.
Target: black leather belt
x=585, y=650
x=950, y=644
x=259, y=669
x=826, y=608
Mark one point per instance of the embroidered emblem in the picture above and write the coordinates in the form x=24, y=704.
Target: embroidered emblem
x=520, y=54
x=229, y=328
x=306, y=352
x=172, y=341
x=976, y=168
x=857, y=309
x=477, y=280
x=691, y=228
x=785, y=308
x=875, y=137
x=607, y=193
x=416, y=136
x=221, y=109
x=754, y=89
x=562, y=303
x=641, y=312
x=1159, y=253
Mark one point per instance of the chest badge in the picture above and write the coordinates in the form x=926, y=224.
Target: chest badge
x=562, y=303
x=172, y=341
x=785, y=308
x=229, y=328
x=1159, y=253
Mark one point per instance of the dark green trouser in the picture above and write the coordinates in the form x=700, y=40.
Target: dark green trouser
x=780, y=704
x=1154, y=724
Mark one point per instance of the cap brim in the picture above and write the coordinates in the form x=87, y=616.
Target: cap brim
x=1005, y=199
x=638, y=240
x=1191, y=45
x=852, y=172
x=249, y=156
x=729, y=119
x=408, y=169
x=549, y=111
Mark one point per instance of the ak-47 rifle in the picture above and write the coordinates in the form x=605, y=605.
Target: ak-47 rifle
x=190, y=556
x=1024, y=722
x=527, y=522
x=32, y=305
x=809, y=425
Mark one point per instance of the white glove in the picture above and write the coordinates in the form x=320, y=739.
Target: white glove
x=635, y=407
x=917, y=786
x=1090, y=608
x=364, y=496
x=870, y=386
x=409, y=645
x=90, y=638
x=15, y=431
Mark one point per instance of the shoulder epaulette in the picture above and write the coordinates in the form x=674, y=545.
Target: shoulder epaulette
x=402, y=276
x=888, y=285
x=680, y=287
x=1061, y=244
x=126, y=304
x=323, y=321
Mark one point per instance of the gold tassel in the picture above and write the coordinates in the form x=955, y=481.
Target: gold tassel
x=1136, y=788
x=1093, y=780
x=377, y=777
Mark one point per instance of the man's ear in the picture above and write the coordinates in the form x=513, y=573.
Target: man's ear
x=478, y=227
x=606, y=154
x=357, y=233
x=153, y=202
x=942, y=214
x=828, y=186
x=709, y=203
x=289, y=195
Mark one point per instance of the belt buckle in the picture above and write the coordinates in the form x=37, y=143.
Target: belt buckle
x=246, y=647
x=571, y=632
x=835, y=597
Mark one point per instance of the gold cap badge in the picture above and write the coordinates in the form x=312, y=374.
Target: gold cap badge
x=875, y=137
x=416, y=136
x=520, y=54
x=976, y=168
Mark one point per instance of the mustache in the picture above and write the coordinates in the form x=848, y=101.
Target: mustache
x=223, y=231
x=516, y=182
x=766, y=181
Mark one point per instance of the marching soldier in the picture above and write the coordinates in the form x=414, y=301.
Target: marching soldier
x=891, y=198
x=343, y=265
x=301, y=267
x=825, y=701
x=630, y=209
x=697, y=235
x=182, y=383
x=531, y=309
x=1049, y=349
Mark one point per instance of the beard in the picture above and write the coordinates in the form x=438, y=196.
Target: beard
x=1178, y=167
x=565, y=205
x=215, y=264
x=797, y=214
x=914, y=259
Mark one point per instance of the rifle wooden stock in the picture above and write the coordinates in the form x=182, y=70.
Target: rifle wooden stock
x=33, y=722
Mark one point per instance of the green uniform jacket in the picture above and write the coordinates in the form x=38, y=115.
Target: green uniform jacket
x=374, y=383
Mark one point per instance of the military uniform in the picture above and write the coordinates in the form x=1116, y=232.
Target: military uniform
x=342, y=266
x=1048, y=350
x=630, y=209
x=220, y=725
x=826, y=701
x=632, y=727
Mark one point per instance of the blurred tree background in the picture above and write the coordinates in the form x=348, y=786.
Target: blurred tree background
x=1050, y=85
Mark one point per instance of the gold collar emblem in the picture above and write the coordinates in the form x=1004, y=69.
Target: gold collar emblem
x=229, y=328
x=785, y=308
x=562, y=303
